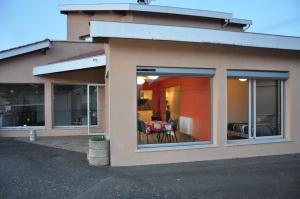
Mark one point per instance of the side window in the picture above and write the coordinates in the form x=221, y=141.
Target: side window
x=255, y=105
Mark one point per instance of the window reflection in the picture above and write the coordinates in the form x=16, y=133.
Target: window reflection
x=21, y=105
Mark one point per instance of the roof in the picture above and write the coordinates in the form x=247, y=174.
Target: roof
x=186, y=34
x=64, y=9
x=32, y=47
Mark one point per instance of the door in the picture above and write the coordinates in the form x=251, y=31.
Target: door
x=93, y=110
x=173, y=102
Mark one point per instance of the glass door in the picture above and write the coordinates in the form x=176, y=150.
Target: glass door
x=93, y=109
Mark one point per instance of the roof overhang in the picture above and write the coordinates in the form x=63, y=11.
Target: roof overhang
x=40, y=45
x=64, y=9
x=244, y=22
x=186, y=34
x=144, y=8
x=78, y=64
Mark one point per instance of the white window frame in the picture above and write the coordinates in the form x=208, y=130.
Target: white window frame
x=255, y=137
x=76, y=126
x=252, y=76
x=176, y=71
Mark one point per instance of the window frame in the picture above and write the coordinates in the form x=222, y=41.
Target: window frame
x=252, y=76
x=178, y=71
x=282, y=110
x=28, y=127
x=75, y=126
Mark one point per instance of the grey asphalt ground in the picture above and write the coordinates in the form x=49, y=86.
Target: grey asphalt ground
x=35, y=171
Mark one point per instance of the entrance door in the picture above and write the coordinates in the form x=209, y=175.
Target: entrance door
x=93, y=110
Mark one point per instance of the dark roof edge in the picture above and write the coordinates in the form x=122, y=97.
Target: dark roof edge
x=20, y=50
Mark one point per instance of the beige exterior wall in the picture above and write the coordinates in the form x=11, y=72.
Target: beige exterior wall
x=19, y=70
x=78, y=24
x=125, y=55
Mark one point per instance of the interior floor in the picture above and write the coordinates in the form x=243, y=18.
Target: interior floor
x=152, y=138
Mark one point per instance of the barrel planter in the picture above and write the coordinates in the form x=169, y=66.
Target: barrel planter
x=98, y=153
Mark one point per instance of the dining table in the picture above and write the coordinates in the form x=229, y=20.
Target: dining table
x=158, y=127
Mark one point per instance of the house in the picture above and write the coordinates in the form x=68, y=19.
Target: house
x=164, y=84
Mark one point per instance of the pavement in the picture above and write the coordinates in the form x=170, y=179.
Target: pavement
x=72, y=143
x=36, y=171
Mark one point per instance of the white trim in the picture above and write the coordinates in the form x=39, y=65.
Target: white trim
x=254, y=109
x=188, y=34
x=144, y=8
x=25, y=128
x=175, y=146
x=78, y=64
x=249, y=109
x=25, y=49
x=282, y=108
x=100, y=133
x=258, y=141
x=88, y=109
x=74, y=127
x=240, y=21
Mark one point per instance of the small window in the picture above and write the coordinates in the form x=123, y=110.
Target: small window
x=255, y=106
x=22, y=105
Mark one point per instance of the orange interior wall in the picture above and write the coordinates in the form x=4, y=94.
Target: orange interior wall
x=194, y=101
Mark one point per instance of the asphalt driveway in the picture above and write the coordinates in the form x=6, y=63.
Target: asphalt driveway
x=34, y=171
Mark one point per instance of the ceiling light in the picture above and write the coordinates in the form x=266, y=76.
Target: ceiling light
x=242, y=80
x=140, y=80
x=153, y=77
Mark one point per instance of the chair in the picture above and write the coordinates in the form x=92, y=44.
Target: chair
x=170, y=131
x=174, y=127
x=142, y=128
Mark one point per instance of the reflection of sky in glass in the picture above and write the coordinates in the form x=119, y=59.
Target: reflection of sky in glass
x=27, y=21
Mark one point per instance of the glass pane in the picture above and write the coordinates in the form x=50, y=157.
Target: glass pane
x=173, y=109
x=268, y=108
x=70, y=105
x=93, y=105
x=22, y=105
x=237, y=109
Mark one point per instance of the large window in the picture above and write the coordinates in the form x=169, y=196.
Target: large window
x=173, y=106
x=255, y=107
x=70, y=105
x=21, y=105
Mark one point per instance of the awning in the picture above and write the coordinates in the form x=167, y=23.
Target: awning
x=71, y=65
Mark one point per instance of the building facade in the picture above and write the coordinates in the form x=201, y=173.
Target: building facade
x=164, y=84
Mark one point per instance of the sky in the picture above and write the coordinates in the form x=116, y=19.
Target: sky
x=27, y=21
